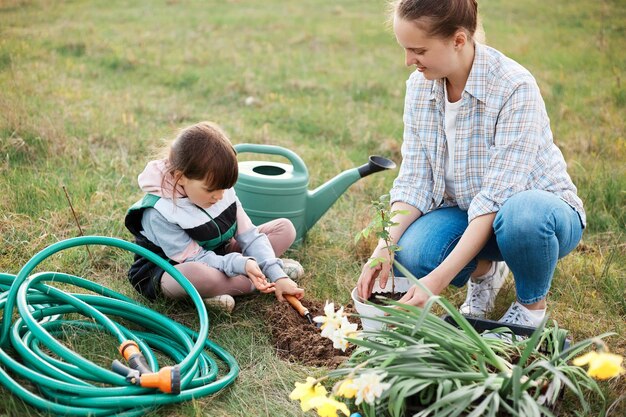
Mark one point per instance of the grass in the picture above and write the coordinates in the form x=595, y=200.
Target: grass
x=90, y=89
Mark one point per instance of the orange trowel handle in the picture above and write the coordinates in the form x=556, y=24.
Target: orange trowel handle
x=295, y=303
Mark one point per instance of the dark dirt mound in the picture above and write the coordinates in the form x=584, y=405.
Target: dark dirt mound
x=297, y=340
x=376, y=297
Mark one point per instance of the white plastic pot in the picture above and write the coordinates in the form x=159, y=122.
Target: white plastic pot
x=367, y=311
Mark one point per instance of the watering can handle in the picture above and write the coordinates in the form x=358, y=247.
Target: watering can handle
x=296, y=161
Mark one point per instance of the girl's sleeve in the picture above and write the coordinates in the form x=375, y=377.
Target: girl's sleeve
x=257, y=245
x=178, y=246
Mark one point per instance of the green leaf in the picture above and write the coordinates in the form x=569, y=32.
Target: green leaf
x=484, y=405
x=533, y=342
x=516, y=383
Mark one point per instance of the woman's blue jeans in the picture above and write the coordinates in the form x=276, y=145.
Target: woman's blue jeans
x=532, y=231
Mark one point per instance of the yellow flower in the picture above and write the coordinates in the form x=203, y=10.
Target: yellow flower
x=328, y=407
x=347, y=389
x=602, y=365
x=305, y=392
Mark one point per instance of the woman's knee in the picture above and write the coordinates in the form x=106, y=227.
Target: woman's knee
x=533, y=218
x=426, y=242
x=422, y=258
x=417, y=256
x=527, y=217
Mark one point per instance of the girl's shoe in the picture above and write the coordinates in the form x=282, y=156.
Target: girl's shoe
x=293, y=269
x=220, y=302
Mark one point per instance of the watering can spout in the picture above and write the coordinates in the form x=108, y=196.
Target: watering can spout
x=324, y=196
x=375, y=164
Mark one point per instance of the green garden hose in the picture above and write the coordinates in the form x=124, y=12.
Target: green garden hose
x=69, y=384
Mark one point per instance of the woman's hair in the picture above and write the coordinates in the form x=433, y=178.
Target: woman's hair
x=203, y=152
x=440, y=18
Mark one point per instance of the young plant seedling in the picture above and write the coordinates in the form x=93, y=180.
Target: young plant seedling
x=380, y=224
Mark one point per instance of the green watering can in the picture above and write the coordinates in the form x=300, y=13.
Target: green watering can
x=271, y=190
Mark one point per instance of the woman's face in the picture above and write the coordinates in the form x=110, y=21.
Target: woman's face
x=199, y=193
x=433, y=56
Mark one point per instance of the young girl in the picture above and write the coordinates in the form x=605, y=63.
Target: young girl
x=484, y=187
x=191, y=216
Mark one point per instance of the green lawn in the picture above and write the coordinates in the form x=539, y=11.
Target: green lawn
x=89, y=90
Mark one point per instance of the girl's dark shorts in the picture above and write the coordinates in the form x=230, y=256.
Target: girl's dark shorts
x=145, y=277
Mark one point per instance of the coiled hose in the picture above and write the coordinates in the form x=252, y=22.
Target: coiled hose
x=69, y=384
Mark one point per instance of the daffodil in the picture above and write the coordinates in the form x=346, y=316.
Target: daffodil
x=346, y=330
x=307, y=391
x=328, y=407
x=369, y=386
x=602, y=365
x=331, y=320
x=347, y=389
x=336, y=326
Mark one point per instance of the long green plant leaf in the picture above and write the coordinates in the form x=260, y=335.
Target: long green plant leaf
x=533, y=342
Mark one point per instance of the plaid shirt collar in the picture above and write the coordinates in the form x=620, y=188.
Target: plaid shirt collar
x=475, y=84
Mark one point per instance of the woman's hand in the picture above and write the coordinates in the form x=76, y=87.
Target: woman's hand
x=369, y=274
x=287, y=286
x=415, y=296
x=257, y=277
x=433, y=282
x=403, y=215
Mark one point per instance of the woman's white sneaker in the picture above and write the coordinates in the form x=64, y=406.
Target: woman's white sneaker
x=481, y=295
x=519, y=315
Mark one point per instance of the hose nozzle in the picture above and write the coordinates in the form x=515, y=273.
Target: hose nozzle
x=166, y=380
x=130, y=351
x=139, y=373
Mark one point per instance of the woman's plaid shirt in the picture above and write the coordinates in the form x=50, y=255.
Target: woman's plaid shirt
x=503, y=141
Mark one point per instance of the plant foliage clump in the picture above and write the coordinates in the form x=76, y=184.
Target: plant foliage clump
x=435, y=368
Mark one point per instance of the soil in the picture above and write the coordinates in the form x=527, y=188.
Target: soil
x=295, y=339
x=381, y=301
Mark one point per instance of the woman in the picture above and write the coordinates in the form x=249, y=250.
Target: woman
x=482, y=186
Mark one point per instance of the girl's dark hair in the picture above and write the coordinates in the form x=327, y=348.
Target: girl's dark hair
x=442, y=17
x=203, y=152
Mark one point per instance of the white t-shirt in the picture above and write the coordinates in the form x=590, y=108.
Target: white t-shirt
x=451, y=111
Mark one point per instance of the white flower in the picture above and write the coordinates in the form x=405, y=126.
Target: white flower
x=336, y=327
x=369, y=386
x=347, y=329
x=331, y=320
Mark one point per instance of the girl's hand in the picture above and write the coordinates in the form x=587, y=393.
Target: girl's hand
x=287, y=286
x=365, y=284
x=257, y=277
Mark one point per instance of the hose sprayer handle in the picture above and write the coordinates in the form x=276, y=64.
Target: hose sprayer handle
x=121, y=369
x=130, y=351
x=167, y=380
